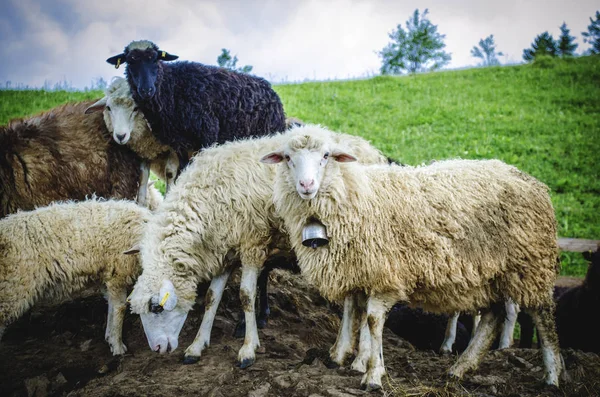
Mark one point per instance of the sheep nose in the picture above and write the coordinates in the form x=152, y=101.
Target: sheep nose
x=147, y=92
x=307, y=184
x=121, y=137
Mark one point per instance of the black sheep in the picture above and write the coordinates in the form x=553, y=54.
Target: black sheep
x=191, y=106
x=577, y=311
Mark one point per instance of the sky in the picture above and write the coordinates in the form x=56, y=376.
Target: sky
x=284, y=40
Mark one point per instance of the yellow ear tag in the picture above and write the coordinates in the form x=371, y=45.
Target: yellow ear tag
x=164, y=54
x=118, y=63
x=164, y=299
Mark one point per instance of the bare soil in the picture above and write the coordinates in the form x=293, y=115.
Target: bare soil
x=61, y=351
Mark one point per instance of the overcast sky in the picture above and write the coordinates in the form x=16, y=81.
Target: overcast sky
x=284, y=40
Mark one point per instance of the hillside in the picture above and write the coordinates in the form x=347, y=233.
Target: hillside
x=543, y=118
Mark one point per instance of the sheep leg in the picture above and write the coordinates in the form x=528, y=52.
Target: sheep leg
x=481, y=342
x=246, y=355
x=263, y=302
x=476, y=321
x=117, y=304
x=142, y=196
x=211, y=304
x=377, y=307
x=364, y=344
x=546, y=329
x=508, y=329
x=450, y=337
x=344, y=344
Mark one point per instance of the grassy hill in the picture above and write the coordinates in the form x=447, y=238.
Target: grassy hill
x=543, y=118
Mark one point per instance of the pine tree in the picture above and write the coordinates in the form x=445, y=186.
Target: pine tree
x=566, y=46
x=226, y=61
x=418, y=48
x=487, y=51
x=543, y=44
x=592, y=36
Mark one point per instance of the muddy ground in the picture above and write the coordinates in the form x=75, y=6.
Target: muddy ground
x=61, y=351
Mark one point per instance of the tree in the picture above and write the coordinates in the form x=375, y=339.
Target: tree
x=543, y=44
x=566, y=46
x=418, y=48
x=487, y=51
x=226, y=61
x=592, y=36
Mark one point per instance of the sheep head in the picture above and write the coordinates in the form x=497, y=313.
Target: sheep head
x=306, y=156
x=121, y=115
x=161, y=318
x=143, y=63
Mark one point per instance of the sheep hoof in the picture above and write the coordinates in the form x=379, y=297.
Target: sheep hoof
x=245, y=363
x=261, y=323
x=370, y=387
x=191, y=359
x=445, y=352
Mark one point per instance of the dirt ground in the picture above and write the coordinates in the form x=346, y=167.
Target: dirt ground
x=61, y=351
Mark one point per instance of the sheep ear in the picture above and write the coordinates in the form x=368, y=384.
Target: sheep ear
x=117, y=60
x=133, y=250
x=165, y=56
x=342, y=157
x=167, y=295
x=97, y=106
x=272, y=158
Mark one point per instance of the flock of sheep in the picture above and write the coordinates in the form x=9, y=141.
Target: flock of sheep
x=453, y=236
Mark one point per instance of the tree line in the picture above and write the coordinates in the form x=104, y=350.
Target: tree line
x=420, y=47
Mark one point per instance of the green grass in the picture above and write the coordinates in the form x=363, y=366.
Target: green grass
x=543, y=118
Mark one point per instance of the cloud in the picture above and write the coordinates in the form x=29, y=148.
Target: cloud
x=284, y=40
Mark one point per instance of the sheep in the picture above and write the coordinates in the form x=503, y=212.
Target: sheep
x=575, y=311
x=62, y=154
x=55, y=251
x=456, y=235
x=191, y=106
x=218, y=210
x=129, y=127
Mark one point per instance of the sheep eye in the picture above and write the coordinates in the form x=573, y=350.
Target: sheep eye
x=156, y=308
x=287, y=158
x=326, y=156
x=108, y=108
x=135, y=109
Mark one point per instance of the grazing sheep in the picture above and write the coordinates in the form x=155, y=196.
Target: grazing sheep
x=452, y=236
x=55, y=251
x=129, y=127
x=576, y=311
x=219, y=209
x=62, y=154
x=191, y=106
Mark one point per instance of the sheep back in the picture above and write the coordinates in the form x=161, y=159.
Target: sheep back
x=197, y=105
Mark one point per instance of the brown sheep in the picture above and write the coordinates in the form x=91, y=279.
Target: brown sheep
x=62, y=154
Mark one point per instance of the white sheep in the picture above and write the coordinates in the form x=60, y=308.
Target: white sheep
x=452, y=236
x=55, y=251
x=129, y=127
x=219, y=209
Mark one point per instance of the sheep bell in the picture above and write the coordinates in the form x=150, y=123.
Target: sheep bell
x=314, y=235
